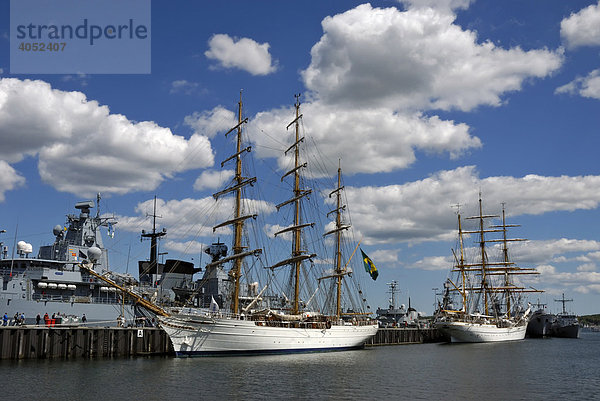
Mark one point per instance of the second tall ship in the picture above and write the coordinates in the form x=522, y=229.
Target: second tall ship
x=482, y=300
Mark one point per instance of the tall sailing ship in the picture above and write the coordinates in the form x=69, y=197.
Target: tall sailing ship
x=483, y=300
x=296, y=315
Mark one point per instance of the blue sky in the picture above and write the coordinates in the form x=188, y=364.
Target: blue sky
x=426, y=102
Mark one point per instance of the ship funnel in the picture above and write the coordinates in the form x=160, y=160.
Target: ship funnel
x=94, y=254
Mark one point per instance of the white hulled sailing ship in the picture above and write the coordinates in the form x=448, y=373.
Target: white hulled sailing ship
x=264, y=317
x=482, y=300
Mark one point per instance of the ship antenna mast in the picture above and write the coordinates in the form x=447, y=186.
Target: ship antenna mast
x=98, y=205
x=154, y=236
x=563, y=301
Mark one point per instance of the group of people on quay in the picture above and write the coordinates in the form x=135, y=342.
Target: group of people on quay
x=19, y=319
x=57, y=318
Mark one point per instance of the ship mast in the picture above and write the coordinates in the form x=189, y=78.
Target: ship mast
x=483, y=258
x=487, y=270
x=340, y=270
x=482, y=267
x=507, y=283
x=238, y=220
x=154, y=236
x=462, y=263
x=508, y=268
x=298, y=254
x=564, y=301
x=338, y=240
x=297, y=207
x=505, y=267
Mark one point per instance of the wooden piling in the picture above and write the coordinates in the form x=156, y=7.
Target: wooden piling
x=34, y=342
x=406, y=335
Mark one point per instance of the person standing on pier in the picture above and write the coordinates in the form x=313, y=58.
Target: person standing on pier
x=5, y=320
x=37, y=319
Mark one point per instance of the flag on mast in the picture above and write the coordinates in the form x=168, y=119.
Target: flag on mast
x=369, y=265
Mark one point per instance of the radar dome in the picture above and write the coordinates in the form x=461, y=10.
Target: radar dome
x=94, y=254
x=24, y=247
x=57, y=229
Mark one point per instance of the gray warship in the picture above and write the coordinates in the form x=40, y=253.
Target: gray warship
x=54, y=283
x=397, y=317
x=58, y=281
x=540, y=323
x=566, y=324
x=545, y=324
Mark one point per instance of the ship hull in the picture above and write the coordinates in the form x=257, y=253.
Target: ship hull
x=466, y=332
x=540, y=324
x=569, y=331
x=223, y=336
x=565, y=326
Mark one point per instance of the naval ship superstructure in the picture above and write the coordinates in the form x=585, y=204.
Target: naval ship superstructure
x=54, y=281
x=58, y=280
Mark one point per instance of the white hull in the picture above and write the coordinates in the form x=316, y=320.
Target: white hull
x=222, y=335
x=467, y=332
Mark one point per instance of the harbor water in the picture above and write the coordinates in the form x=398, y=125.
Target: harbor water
x=533, y=369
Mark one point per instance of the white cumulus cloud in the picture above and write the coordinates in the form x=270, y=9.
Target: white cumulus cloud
x=391, y=138
x=184, y=86
x=211, y=122
x=582, y=28
x=588, y=86
x=415, y=59
x=411, y=212
x=439, y=4
x=189, y=218
x=243, y=53
x=9, y=179
x=211, y=179
x=82, y=148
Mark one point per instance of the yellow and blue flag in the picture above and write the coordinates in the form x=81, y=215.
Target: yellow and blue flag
x=369, y=266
